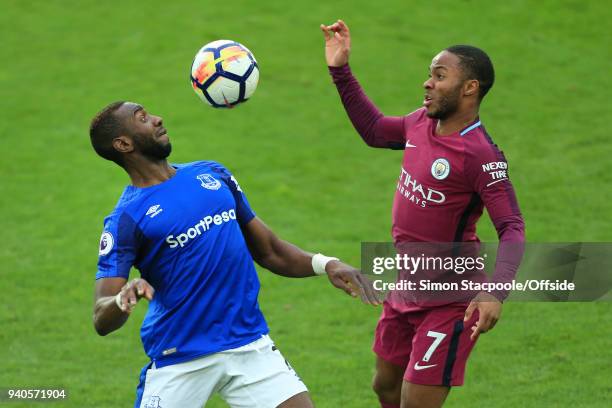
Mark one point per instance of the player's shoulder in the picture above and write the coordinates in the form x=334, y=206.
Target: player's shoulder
x=202, y=165
x=478, y=142
x=418, y=124
x=129, y=198
x=417, y=116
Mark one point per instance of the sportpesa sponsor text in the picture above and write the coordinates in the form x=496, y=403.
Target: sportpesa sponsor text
x=201, y=227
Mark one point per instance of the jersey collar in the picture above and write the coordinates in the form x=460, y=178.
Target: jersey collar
x=470, y=127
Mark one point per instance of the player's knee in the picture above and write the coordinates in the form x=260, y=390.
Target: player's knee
x=419, y=403
x=388, y=389
x=423, y=396
x=411, y=403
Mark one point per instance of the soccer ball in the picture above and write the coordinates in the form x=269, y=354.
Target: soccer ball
x=224, y=73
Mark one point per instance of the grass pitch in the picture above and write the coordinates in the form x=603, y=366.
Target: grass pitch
x=306, y=174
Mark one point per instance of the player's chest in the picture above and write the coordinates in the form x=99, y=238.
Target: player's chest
x=197, y=201
x=432, y=163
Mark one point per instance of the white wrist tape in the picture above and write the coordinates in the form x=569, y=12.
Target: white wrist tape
x=319, y=261
x=118, y=301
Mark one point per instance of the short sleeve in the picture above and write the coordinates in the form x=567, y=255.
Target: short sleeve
x=118, y=246
x=244, y=213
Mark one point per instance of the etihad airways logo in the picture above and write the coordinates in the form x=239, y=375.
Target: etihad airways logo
x=201, y=227
x=414, y=191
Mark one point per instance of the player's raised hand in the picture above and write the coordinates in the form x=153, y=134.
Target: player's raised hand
x=132, y=292
x=489, y=310
x=352, y=281
x=337, y=43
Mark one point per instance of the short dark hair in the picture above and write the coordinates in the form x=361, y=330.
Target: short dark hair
x=106, y=126
x=476, y=64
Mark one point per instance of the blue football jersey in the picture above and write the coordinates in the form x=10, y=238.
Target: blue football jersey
x=184, y=237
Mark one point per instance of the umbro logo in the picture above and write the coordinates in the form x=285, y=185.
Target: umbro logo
x=154, y=210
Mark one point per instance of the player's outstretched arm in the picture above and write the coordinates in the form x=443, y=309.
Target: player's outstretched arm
x=114, y=301
x=286, y=259
x=499, y=199
x=375, y=129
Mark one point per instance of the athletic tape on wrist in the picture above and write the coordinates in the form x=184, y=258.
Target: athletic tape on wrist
x=319, y=261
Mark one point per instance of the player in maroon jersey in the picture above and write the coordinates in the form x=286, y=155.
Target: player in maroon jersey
x=451, y=170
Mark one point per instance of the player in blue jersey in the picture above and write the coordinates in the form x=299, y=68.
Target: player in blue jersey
x=191, y=233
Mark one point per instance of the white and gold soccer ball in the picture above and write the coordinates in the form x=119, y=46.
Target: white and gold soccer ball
x=224, y=73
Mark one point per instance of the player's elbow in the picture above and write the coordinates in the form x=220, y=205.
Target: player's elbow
x=370, y=138
x=101, y=330
x=270, y=256
x=268, y=261
x=511, y=229
x=101, y=327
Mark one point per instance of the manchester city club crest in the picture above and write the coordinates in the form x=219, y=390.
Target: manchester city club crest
x=209, y=182
x=440, y=169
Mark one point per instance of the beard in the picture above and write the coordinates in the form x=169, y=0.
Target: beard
x=149, y=147
x=447, y=104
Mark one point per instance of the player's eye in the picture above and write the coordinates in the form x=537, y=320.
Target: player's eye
x=440, y=77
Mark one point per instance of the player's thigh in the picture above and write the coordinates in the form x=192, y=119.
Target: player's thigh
x=183, y=385
x=301, y=400
x=387, y=382
x=441, y=347
x=423, y=396
x=262, y=378
x=393, y=337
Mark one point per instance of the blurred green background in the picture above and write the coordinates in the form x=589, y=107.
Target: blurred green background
x=305, y=171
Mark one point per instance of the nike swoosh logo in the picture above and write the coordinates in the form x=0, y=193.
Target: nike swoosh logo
x=408, y=144
x=418, y=367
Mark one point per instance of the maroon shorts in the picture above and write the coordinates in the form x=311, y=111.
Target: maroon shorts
x=433, y=344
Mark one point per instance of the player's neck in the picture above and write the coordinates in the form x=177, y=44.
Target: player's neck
x=456, y=122
x=150, y=173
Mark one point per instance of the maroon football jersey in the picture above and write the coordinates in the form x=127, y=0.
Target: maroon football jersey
x=444, y=181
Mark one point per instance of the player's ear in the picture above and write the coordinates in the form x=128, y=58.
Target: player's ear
x=471, y=87
x=123, y=144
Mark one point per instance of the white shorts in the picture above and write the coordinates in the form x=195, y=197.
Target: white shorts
x=252, y=376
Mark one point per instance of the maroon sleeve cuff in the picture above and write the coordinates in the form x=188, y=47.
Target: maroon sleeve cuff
x=341, y=72
x=500, y=295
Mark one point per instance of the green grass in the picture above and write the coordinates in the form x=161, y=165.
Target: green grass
x=305, y=172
